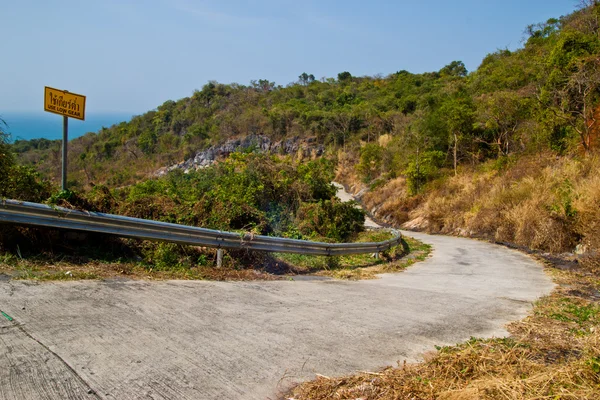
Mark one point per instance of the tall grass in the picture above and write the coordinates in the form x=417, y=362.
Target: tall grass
x=544, y=203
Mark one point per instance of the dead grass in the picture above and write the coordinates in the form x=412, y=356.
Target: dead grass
x=391, y=202
x=260, y=266
x=42, y=269
x=552, y=354
x=538, y=202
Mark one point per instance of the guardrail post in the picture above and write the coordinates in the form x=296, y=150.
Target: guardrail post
x=219, y=257
x=377, y=255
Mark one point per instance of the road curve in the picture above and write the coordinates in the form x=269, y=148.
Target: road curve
x=249, y=340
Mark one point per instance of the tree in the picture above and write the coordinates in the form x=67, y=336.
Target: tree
x=587, y=20
x=506, y=70
x=16, y=181
x=538, y=32
x=573, y=86
x=460, y=116
x=371, y=157
x=581, y=95
x=500, y=115
x=147, y=141
x=263, y=85
x=418, y=145
x=455, y=68
x=344, y=76
x=207, y=94
x=423, y=168
x=306, y=79
x=342, y=122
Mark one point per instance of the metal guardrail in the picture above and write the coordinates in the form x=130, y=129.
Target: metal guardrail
x=16, y=212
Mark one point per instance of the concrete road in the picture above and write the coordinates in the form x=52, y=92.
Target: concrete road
x=345, y=196
x=249, y=340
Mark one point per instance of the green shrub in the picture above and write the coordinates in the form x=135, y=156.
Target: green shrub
x=330, y=219
x=16, y=181
x=423, y=169
x=165, y=256
x=369, y=166
x=247, y=191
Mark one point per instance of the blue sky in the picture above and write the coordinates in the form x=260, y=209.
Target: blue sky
x=132, y=55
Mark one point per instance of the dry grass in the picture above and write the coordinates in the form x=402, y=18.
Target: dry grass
x=552, y=354
x=345, y=172
x=391, y=202
x=63, y=268
x=260, y=266
x=542, y=203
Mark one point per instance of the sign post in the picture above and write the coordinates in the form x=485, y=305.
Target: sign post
x=64, y=151
x=69, y=105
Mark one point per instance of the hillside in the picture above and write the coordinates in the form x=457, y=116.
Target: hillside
x=524, y=121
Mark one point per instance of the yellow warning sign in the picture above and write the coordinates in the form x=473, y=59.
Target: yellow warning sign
x=64, y=103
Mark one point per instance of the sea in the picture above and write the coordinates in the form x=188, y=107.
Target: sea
x=36, y=125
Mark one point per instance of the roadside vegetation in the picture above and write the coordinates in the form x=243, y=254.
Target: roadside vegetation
x=247, y=192
x=16, y=180
x=360, y=266
x=544, y=203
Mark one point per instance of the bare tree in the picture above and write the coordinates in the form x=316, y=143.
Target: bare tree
x=579, y=95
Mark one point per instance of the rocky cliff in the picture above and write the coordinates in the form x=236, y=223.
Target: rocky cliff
x=305, y=148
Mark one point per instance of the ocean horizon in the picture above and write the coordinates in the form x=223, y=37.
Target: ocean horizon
x=36, y=125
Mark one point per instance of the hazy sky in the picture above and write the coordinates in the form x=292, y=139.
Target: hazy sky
x=132, y=55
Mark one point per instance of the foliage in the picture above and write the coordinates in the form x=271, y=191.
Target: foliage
x=344, y=76
x=17, y=181
x=455, y=68
x=422, y=169
x=332, y=219
x=371, y=158
x=21, y=146
x=6, y=156
x=248, y=192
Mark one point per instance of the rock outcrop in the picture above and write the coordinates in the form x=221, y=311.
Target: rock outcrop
x=303, y=147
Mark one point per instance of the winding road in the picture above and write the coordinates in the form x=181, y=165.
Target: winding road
x=249, y=340
x=125, y=339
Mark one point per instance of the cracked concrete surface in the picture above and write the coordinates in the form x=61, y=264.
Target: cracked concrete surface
x=251, y=340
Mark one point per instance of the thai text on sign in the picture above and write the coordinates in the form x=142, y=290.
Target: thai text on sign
x=65, y=103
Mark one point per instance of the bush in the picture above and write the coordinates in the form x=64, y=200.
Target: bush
x=164, y=256
x=24, y=183
x=330, y=219
x=317, y=175
x=246, y=192
x=371, y=157
x=423, y=169
x=16, y=181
